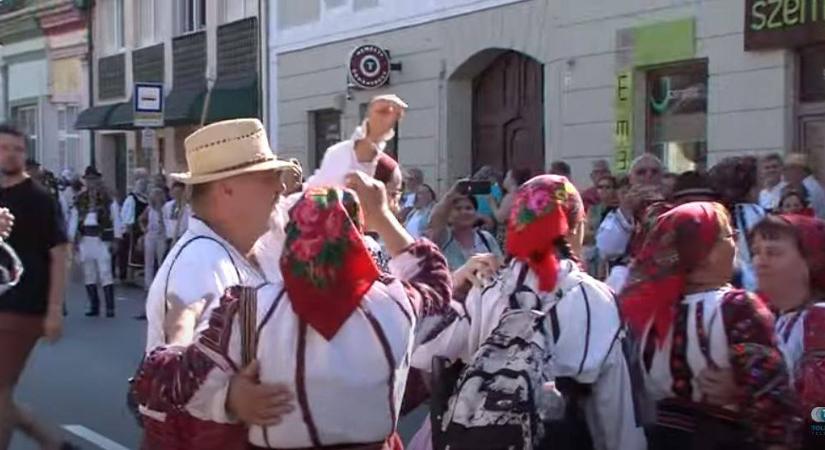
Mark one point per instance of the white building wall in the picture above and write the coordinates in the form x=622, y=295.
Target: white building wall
x=28, y=79
x=750, y=105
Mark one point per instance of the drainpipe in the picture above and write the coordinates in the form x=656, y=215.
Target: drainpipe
x=90, y=48
x=263, y=61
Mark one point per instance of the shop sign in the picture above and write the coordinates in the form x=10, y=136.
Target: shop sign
x=772, y=24
x=148, y=105
x=369, y=67
x=623, y=131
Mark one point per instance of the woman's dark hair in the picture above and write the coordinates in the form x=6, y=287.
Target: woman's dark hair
x=613, y=181
x=798, y=193
x=469, y=198
x=430, y=190
x=521, y=176
x=622, y=181
x=565, y=250
x=733, y=178
x=774, y=227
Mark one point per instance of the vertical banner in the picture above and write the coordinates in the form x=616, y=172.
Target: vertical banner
x=623, y=131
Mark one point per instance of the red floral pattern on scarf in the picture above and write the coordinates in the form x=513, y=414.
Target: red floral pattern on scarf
x=679, y=241
x=327, y=268
x=546, y=208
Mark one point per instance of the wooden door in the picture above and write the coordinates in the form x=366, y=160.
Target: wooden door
x=508, y=114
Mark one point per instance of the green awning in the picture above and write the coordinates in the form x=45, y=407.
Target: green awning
x=184, y=106
x=122, y=117
x=234, y=99
x=93, y=118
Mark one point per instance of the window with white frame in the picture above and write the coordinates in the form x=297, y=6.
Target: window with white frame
x=111, y=25
x=25, y=117
x=191, y=15
x=150, y=21
x=68, y=139
x=233, y=10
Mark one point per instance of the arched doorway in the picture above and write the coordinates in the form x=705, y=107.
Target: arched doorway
x=508, y=114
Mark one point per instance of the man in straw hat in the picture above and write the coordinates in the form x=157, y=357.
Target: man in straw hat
x=94, y=225
x=798, y=175
x=235, y=181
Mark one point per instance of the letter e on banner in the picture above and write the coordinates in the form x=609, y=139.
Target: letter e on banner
x=623, y=129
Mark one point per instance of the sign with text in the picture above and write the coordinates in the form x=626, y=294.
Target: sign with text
x=623, y=131
x=148, y=104
x=369, y=67
x=772, y=24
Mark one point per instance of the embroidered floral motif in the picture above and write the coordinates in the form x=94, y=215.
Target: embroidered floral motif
x=539, y=199
x=321, y=233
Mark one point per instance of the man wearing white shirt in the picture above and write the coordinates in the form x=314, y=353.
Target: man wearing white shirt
x=771, y=193
x=176, y=214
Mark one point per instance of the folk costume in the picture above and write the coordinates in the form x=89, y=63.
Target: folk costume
x=801, y=331
x=585, y=332
x=94, y=225
x=130, y=253
x=683, y=334
x=335, y=328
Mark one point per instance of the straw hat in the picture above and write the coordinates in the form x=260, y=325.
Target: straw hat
x=227, y=149
x=797, y=159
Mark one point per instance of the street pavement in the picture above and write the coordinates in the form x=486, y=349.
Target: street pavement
x=79, y=384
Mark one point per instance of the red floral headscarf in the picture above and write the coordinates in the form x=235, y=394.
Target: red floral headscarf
x=811, y=234
x=546, y=208
x=327, y=269
x=680, y=240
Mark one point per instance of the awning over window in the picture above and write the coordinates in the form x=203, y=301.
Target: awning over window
x=234, y=99
x=93, y=118
x=184, y=106
x=122, y=117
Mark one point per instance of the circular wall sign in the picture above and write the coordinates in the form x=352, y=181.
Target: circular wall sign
x=369, y=67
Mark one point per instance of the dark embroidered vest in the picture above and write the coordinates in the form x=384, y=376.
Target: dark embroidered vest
x=100, y=204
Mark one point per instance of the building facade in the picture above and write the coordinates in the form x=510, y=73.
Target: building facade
x=205, y=55
x=521, y=83
x=43, y=73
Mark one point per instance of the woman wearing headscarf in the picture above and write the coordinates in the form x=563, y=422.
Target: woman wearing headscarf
x=333, y=326
x=544, y=232
x=789, y=257
x=678, y=302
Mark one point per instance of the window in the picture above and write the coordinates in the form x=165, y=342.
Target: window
x=327, y=132
x=25, y=118
x=191, y=15
x=676, y=108
x=150, y=21
x=234, y=10
x=68, y=139
x=111, y=25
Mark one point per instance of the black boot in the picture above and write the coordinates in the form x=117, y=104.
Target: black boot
x=94, y=300
x=109, y=294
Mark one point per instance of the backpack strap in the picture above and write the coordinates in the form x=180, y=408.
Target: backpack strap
x=520, y=287
x=484, y=240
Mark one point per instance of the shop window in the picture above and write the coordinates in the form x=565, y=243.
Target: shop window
x=392, y=145
x=327, y=132
x=676, y=108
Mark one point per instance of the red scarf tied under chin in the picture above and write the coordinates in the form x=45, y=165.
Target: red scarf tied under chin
x=679, y=242
x=546, y=208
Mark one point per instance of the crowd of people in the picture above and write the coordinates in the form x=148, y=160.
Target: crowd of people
x=651, y=310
